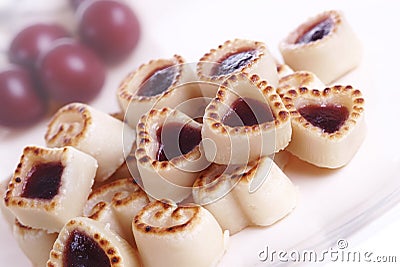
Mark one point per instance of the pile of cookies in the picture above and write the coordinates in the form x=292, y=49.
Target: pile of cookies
x=190, y=160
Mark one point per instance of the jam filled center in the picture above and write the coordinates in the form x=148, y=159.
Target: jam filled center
x=43, y=181
x=176, y=139
x=158, y=82
x=317, y=32
x=233, y=62
x=82, y=251
x=327, y=117
x=247, y=112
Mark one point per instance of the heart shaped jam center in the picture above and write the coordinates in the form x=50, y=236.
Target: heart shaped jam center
x=82, y=250
x=316, y=32
x=158, y=82
x=233, y=62
x=247, y=112
x=43, y=181
x=327, y=117
x=176, y=139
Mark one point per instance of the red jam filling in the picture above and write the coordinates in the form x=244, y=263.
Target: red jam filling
x=317, y=32
x=247, y=112
x=327, y=117
x=176, y=139
x=43, y=181
x=233, y=62
x=158, y=82
x=82, y=251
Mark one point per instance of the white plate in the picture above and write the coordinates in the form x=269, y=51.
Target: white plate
x=333, y=204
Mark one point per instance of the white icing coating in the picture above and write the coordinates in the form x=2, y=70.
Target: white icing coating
x=241, y=144
x=299, y=79
x=181, y=236
x=330, y=57
x=258, y=194
x=117, y=203
x=263, y=64
x=94, y=132
x=166, y=179
x=310, y=143
x=283, y=70
x=35, y=243
x=76, y=182
x=119, y=252
x=8, y=216
x=281, y=159
x=134, y=105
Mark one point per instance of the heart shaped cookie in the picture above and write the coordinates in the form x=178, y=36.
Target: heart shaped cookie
x=328, y=125
x=246, y=120
x=182, y=236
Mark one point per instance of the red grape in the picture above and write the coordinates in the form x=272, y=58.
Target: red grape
x=110, y=28
x=71, y=72
x=20, y=104
x=31, y=41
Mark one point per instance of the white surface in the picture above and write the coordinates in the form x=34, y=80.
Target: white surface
x=380, y=238
x=329, y=200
